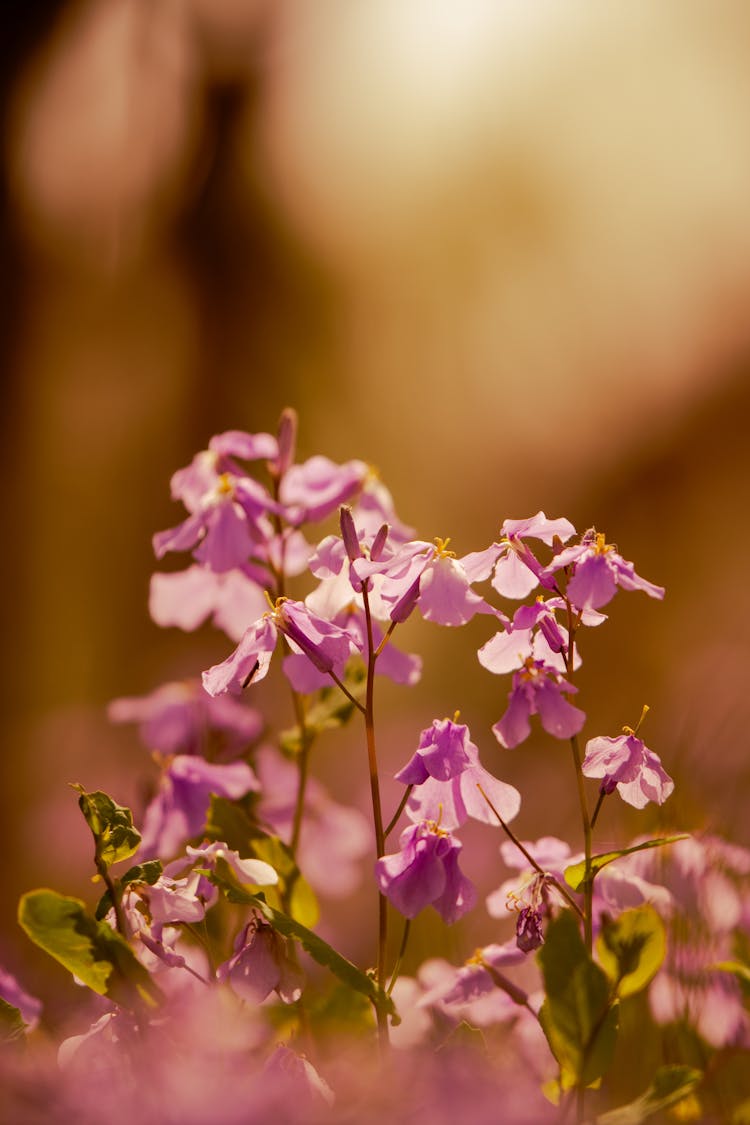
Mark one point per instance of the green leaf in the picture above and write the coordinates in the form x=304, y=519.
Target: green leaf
x=111, y=825
x=318, y=949
x=670, y=1085
x=331, y=709
x=631, y=948
x=228, y=822
x=12, y=1027
x=575, y=875
x=147, y=872
x=91, y=950
x=578, y=1016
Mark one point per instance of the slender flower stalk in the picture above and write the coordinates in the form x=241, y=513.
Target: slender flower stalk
x=377, y=813
x=586, y=819
x=533, y=863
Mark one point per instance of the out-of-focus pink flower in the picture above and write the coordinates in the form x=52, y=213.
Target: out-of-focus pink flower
x=333, y=837
x=178, y=811
x=312, y=490
x=12, y=993
x=182, y=718
x=187, y=598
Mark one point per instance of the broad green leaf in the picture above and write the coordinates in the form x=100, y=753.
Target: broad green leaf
x=12, y=1027
x=671, y=1085
x=318, y=949
x=331, y=709
x=577, y=1016
x=95, y=953
x=147, y=872
x=631, y=949
x=575, y=875
x=111, y=825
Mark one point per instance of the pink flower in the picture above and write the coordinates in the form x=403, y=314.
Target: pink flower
x=425, y=872
x=515, y=569
x=261, y=965
x=182, y=718
x=538, y=689
x=186, y=598
x=447, y=774
x=597, y=572
x=625, y=763
x=327, y=646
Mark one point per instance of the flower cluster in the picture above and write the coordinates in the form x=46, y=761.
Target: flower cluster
x=211, y=934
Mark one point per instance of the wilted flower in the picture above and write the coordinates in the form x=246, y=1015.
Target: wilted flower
x=261, y=965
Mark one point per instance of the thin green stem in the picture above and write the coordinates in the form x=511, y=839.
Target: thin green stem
x=400, y=957
x=524, y=851
x=377, y=814
x=399, y=810
x=353, y=699
x=599, y=804
x=586, y=822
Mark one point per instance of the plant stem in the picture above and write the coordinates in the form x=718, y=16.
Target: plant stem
x=586, y=822
x=511, y=835
x=399, y=959
x=377, y=814
x=401, y=806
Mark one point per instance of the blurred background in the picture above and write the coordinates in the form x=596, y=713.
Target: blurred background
x=499, y=249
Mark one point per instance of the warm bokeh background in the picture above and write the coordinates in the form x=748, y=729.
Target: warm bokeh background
x=501, y=249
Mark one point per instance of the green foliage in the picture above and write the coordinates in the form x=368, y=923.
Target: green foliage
x=90, y=949
x=578, y=1015
x=111, y=825
x=12, y=1027
x=671, y=1084
x=147, y=872
x=631, y=949
x=228, y=822
x=331, y=709
x=318, y=949
x=575, y=875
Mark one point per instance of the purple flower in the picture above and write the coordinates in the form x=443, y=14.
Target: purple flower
x=477, y=978
x=178, y=811
x=428, y=576
x=182, y=718
x=187, y=598
x=261, y=965
x=447, y=776
x=441, y=753
x=425, y=872
x=326, y=645
x=597, y=572
x=538, y=689
x=625, y=763
x=225, y=520
x=314, y=489
x=515, y=569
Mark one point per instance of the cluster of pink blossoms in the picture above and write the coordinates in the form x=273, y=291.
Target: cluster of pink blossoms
x=232, y=810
